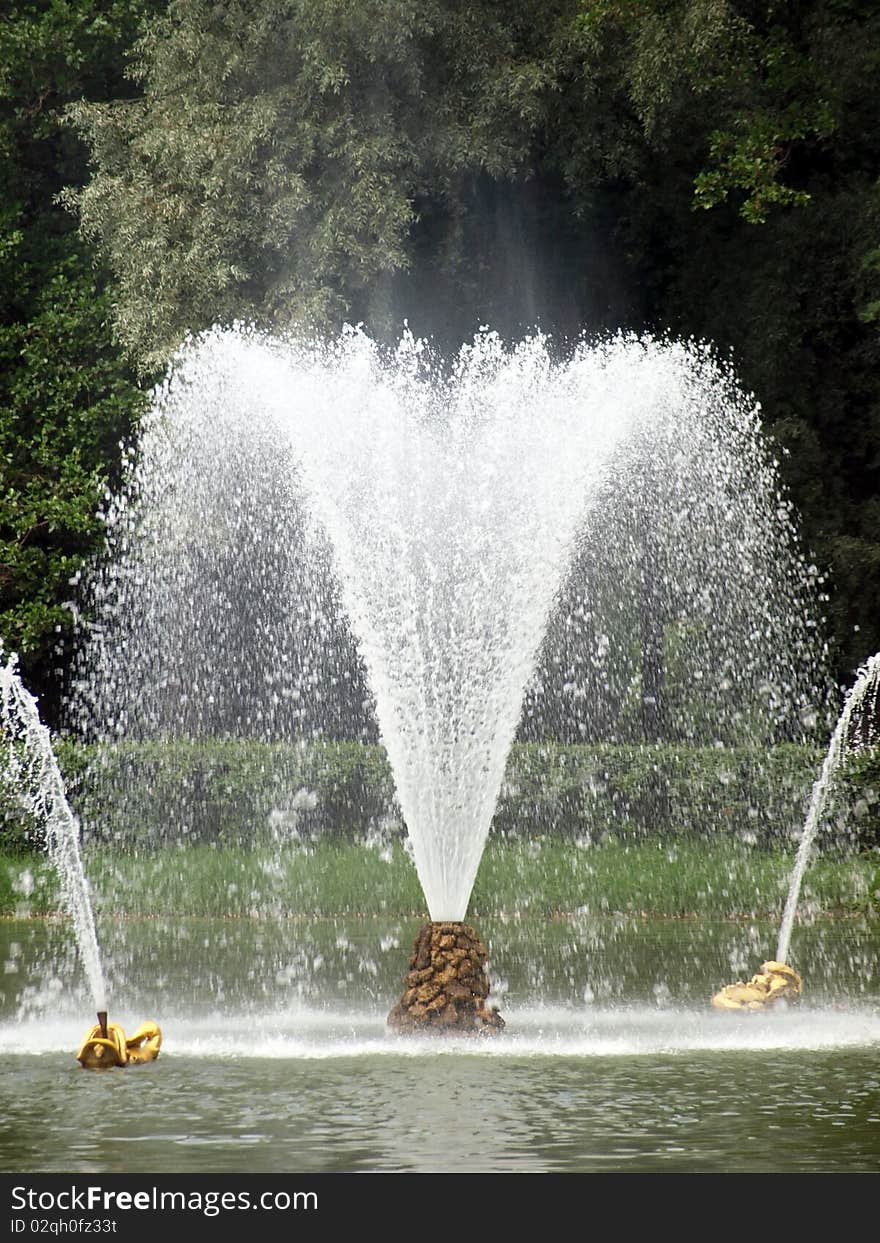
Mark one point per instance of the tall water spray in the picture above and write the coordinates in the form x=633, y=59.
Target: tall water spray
x=326, y=539
x=35, y=779
x=861, y=697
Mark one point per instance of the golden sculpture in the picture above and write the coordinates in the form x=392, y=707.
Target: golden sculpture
x=107, y=1045
x=774, y=982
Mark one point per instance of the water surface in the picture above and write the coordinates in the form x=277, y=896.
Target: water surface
x=276, y=1057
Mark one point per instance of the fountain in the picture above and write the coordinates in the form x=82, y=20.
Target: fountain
x=325, y=546
x=323, y=539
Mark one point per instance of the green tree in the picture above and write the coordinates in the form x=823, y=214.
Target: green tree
x=704, y=167
x=66, y=400
x=739, y=147
x=282, y=152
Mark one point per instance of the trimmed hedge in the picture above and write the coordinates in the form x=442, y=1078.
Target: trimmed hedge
x=637, y=791
x=139, y=794
x=227, y=791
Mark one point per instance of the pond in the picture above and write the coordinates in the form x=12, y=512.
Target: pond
x=276, y=1057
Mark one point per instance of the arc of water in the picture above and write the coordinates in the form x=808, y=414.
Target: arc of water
x=294, y=500
x=450, y=595
x=867, y=681
x=33, y=770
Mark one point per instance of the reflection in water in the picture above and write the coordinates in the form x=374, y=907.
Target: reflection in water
x=735, y=1110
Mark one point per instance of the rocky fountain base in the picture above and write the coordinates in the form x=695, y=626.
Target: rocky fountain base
x=447, y=985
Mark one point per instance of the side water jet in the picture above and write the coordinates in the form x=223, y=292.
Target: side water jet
x=776, y=981
x=36, y=782
x=863, y=693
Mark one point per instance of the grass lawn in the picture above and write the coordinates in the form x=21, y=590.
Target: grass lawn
x=659, y=877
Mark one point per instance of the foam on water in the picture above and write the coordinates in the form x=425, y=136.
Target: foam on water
x=552, y=1031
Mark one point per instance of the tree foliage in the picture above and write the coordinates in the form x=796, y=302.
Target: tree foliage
x=273, y=164
x=748, y=204
x=702, y=167
x=66, y=398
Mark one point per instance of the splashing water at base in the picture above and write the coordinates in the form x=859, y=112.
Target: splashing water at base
x=285, y=492
x=36, y=782
x=541, y=1032
x=864, y=692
